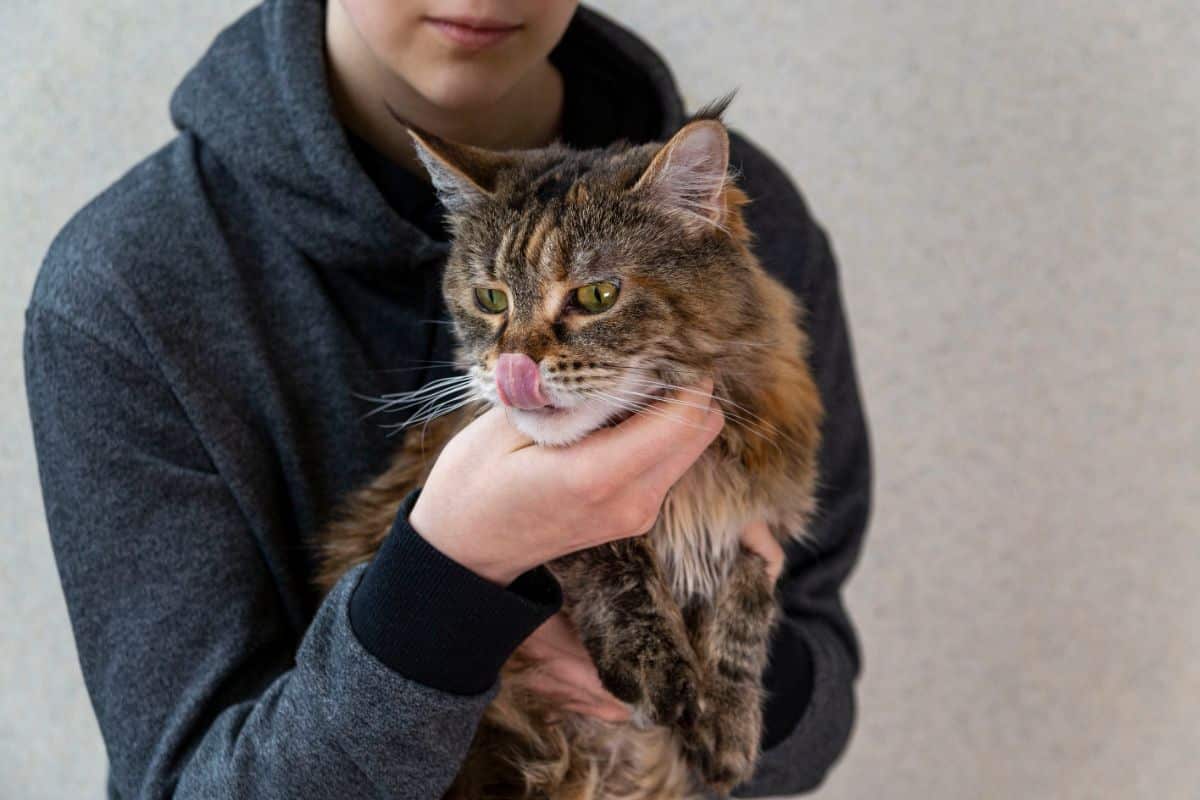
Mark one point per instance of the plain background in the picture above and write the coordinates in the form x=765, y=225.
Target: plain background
x=1014, y=193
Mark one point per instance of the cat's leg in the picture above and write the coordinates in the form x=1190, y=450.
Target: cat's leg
x=633, y=628
x=732, y=634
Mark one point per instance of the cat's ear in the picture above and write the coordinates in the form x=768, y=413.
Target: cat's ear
x=463, y=176
x=688, y=175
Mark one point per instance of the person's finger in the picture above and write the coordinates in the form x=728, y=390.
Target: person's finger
x=757, y=538
x=559, y=657
x=557, y=635
x=563, y=682
x=663, y=475
x=563, y=664
x=640, y=442
x=574, y=685
x=582, y=674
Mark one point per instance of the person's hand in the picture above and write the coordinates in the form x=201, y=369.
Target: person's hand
x=757, y=538
x=500, y=505
x=561, y=670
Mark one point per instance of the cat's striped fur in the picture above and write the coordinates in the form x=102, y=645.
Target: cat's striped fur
x=677, y=621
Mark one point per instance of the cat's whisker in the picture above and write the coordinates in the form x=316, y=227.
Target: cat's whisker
x=422, y=365
x=440, y=411
x=636, y=374
x=674, y=387
x=416, y=398
x=446, y=381
x=748, y=425
x=746, y=413
x=658, y=365
x=725, y=401
x=729, y=412
x=620, y=404
x=639, y=407
x=430, y=412
x=431, y=405
x=424, y=397
x=431, y=389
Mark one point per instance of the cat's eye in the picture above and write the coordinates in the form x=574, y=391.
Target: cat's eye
x=597, y=297
x=492, y=301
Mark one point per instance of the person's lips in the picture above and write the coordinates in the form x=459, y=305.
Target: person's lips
x=473, y=33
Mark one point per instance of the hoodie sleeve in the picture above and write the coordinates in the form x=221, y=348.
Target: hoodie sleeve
x=201, y=684
x=809, y=712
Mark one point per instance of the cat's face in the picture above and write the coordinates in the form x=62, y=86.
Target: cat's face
x=582, y=285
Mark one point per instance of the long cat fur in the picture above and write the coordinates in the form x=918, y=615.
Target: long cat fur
x=676, y=621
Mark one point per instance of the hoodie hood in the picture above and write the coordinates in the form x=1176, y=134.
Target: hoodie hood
x=259, y=102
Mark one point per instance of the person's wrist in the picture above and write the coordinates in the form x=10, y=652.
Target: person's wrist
x=496, y=570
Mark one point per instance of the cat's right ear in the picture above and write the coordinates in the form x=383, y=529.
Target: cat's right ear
x=689, y=175
x=463, y=176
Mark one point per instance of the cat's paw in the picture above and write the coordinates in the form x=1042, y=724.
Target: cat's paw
x=723, y=748
x=662, y=686
x=673, y=697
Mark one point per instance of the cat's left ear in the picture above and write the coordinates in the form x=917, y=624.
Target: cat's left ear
x=688, y=175
x=463, y=176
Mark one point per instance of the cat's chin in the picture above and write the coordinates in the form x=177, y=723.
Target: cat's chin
x=558, y=427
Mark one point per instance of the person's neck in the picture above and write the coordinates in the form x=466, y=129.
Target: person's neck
x=368, y=97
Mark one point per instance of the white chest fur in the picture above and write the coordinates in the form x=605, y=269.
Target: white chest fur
x=697, y=533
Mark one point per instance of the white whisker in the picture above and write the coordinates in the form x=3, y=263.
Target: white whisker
x=640, y=408
x=746, y=414
x=434, y=399
x=749, y=425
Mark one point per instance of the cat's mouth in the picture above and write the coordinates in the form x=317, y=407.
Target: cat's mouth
x=566, y=419
x=557, y=408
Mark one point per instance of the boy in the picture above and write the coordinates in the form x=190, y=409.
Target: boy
x=194, y=347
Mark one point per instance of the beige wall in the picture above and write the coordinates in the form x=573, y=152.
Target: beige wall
x=1014, y=192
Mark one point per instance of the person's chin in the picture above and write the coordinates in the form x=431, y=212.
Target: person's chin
x=558, y=427
x=465, y=86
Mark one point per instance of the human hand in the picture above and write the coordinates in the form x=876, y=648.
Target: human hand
x=758, y=539
x=562, y=670
x=500, y=505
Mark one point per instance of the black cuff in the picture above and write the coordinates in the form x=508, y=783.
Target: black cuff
x=436, y=622
x=788, y=680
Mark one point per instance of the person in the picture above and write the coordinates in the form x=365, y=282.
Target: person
x=197, y=347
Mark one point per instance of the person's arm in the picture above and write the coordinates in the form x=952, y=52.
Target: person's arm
x=205, y=680
x=202, y=684
x=814, y=656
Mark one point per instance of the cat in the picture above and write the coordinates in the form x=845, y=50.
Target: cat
x=625, y=272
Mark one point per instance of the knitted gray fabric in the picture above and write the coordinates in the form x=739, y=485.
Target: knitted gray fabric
x=193, y=351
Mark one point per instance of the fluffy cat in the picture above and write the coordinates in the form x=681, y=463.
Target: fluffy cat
x=620, y=274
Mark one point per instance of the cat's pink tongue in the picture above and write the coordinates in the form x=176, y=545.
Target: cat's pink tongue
x=518, y=381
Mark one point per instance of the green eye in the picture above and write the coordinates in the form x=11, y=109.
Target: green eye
x=492, y=301
x=597, y=297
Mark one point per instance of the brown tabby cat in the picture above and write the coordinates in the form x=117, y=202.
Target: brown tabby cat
x=616, y=275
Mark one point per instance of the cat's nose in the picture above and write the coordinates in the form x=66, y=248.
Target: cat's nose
x=518, y=381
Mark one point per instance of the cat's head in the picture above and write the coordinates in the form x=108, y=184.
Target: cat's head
x=582, y=284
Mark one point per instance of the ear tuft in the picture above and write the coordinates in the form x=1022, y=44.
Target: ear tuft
x=715, y=109
x=689, y=174
x=463, y=176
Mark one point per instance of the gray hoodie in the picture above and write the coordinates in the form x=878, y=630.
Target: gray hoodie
x=195, y=345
